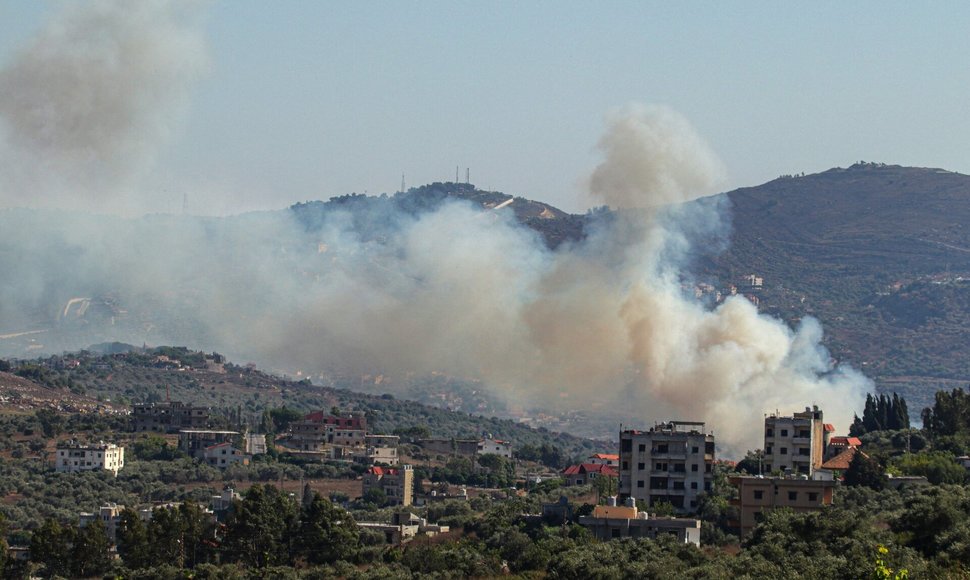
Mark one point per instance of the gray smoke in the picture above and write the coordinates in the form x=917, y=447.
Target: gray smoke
x=605, y=324
x=85, y=106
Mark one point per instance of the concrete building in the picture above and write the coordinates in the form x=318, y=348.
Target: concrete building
x=489, y=446
x=759, y=494
x=109, y=515
x=255, y=443
x=585, y=473
x=794, y=444
x=168, y=417
x=194, y=441
x=403, y=528
x=610, y=522
x=317, y=430
x=396, y=483
x=379, y=450
x=74, y=457
x=672, y=462
x=611, y=459
x=223, y=455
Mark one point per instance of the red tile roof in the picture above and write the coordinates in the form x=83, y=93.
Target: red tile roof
x=591, y=468
x=842, y=460
x=829, y=428
x=606, y=456
x=846, y=441
x=382, y=471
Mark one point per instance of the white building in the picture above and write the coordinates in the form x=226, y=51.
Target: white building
x=73, y=457
x=222, y=455
x=495, y=447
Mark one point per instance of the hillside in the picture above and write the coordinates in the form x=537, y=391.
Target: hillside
x=242, y=391
x=880, y=254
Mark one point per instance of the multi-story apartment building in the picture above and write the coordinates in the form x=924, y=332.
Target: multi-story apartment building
x=396, y=483
x=758, y=494
x=168, y=417
x=72, y=457
x=672, y=462
x=794, y=444
x=317, y=430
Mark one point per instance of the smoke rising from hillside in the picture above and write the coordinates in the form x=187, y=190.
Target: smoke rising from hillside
x=86, y=104
x=605, y=323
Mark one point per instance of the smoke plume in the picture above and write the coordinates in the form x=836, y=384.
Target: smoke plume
x=392, y=285
x=86, y=104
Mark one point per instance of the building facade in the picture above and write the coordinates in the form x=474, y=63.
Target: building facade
x=794, y=444
x=74, y=457
x=495, y=447
x=672, y=462
x=194, y=441
x=610, y=522
x=223, y=455
x=396, y=483
x=758, y=494
x=168, y=417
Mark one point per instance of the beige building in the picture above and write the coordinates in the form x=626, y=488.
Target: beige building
x=74, y=457
x=609, y=522
x=379, y=450
x=672, y=462
x=758, y=494
x=794, y=444
x=109, y=515
x=396, y=483
x=223, y=455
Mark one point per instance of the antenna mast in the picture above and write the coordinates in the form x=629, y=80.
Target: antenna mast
x=402, y=183
x=467, y=176
x=185, y=203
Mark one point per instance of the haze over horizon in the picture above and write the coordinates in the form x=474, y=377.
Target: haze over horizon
x=263, y=107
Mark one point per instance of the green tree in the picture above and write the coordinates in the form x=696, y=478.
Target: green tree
x=260, y=529
x=865, y=471
x=90, y=554
x=51, y=422
x=326, y=533
x=49, y=546
x=132, y=539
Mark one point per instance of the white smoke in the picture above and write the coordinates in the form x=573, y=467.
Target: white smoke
x=603, y=323
x=85, y=106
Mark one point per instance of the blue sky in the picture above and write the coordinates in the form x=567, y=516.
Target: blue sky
x=304, y=100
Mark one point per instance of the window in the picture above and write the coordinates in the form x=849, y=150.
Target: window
x=784, y=432
x=768, y=450
x=642, y=448
x=662, y=448
x=626, y=446
x=769, y=432
x=625, y=466
x=660, y=467
x=693, y=485
x=678, y=485
x=792, y=495
x=695, y=449
x=803, y=451
x=784, y=451
x=641, y=466
x=813, y=497
x=759, y=494
x=693, y=467
x=679, y=468
x=707, y=486
x=693, y=503
x=640, y=483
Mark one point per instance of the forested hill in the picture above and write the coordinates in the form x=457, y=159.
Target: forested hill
x=879, y=253
x=242, y=393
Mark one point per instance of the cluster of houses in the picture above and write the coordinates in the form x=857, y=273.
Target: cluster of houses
x=672, y=464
